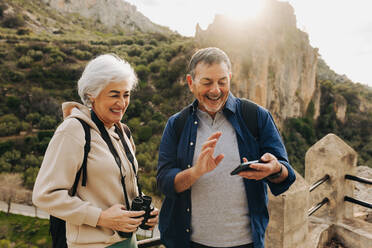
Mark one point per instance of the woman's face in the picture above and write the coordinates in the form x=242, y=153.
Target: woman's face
x=112, y=102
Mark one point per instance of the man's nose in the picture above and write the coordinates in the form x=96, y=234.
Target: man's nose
x=215, y=89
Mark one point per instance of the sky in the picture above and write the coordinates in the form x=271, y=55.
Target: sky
x=341, y=29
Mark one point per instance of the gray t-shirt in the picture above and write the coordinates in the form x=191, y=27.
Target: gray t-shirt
x=220, y=215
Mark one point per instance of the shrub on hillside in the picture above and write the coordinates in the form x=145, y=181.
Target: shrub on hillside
x=13, y=76
x=144, y=133
x=9, y=125
x=153, y=42
x=13, y=102
x=23, y=31
x=6, y=146
x=29, y=176
x=82, y=55
x=128, y=41
x=142, y=72
x=47, y=122
x=25, y=126
x=140, y=42
x=134, y=51
x=15, y=21
x=56, y=54
x=36, y=73
x=148, y=47
x=9, y=160
x=36, y=55
x=157, y=65
x=24, y=62
x=45, y=135
x=41, y=46
x=22, y=48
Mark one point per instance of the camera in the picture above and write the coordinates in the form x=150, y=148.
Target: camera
x=141, y=203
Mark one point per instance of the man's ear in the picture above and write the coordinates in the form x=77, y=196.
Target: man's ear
x=189, y=81
x=230, y=75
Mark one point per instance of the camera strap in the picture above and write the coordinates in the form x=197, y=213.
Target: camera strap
x=106, y=138
x=129, y=156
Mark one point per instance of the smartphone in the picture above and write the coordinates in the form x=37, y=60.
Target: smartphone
x=245, y=167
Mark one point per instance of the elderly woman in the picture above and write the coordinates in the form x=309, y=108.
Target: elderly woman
x=98, y=213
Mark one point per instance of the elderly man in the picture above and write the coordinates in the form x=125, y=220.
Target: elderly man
x=204, y=205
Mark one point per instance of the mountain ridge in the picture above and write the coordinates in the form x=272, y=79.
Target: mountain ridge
x=114, y=14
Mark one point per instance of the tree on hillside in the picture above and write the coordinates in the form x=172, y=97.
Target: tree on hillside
x=10, y=185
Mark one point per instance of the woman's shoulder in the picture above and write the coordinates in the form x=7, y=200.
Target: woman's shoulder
x=71, y=127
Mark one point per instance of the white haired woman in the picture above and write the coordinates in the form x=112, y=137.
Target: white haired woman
x=98, y=212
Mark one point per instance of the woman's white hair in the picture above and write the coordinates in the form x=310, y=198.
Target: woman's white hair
x=101, y=71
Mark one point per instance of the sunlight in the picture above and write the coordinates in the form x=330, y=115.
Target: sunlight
x=241, y=10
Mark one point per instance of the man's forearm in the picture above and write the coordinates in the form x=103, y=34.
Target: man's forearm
x=185, y=179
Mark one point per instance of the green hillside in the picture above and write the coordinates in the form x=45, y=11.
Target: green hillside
x=39, y=71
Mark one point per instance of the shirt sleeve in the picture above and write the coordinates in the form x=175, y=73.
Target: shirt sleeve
x=56, y=176
x=271, y=142
x=167, y=163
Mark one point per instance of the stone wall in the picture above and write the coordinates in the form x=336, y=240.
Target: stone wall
x=291, y=226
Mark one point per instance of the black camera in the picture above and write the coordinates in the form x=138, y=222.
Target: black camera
x=141, y=203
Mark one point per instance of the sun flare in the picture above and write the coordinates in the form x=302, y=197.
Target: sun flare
x=242, y=9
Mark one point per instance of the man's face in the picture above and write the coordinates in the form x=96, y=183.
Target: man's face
x=210, y=86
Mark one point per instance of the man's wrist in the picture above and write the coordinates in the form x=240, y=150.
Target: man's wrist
x=194, y=173
x=276, y=174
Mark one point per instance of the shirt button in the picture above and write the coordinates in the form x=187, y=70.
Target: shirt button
x=188, y=210
x=195, y=122
x=187, y=230
x=191, y=143
x=188, y=166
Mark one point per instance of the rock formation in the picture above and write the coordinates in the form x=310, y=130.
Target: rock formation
x=113, y=13
x=273, y=62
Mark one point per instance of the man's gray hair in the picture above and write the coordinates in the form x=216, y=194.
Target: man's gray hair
x=101, y=71
x=209, y=55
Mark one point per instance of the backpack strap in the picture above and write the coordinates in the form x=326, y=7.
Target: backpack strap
x=84, y=164
x=249, y=114
x=180, y=121
x=127, y=130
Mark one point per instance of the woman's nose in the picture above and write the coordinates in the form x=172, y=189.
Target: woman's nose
x=121, y=102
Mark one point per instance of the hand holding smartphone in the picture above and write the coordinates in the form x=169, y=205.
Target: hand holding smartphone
x=245, y=167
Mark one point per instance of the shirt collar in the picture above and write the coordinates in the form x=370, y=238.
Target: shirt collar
x=230, y=104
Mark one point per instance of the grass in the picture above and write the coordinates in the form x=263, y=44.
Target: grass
x=24, y=231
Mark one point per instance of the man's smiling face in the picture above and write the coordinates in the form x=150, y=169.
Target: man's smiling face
x=211, y=86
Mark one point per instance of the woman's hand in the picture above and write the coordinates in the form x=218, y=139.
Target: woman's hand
x=154, y=220
x=117, y=218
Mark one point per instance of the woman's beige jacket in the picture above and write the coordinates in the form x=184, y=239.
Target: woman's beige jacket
x=62, y=160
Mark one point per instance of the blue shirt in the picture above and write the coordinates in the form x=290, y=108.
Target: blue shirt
x=175, y=214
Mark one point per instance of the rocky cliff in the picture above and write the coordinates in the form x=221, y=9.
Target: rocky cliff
x=273, y=62
x=112, y=14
